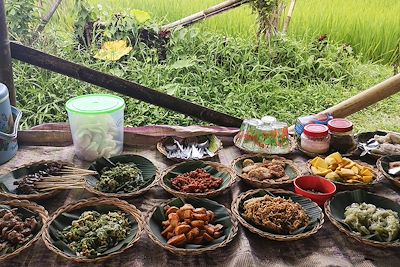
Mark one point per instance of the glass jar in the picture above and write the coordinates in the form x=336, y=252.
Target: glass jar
x=315, y=138
x=342, y=136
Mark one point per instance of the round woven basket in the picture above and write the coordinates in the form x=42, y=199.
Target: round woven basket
x=218, y=166
x=272, y=236
x=293, y=146
x=36, y=196
x=120, y=204
x=354, y=235
x=186, y=252
x=161, y=148
x=346, y=186
x=394, y=181
x=267, y=183
x=134, y=194
x=35, y=208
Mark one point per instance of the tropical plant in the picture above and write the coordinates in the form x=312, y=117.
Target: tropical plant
x=22, y=18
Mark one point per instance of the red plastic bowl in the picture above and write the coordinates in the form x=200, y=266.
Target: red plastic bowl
x=303, y=184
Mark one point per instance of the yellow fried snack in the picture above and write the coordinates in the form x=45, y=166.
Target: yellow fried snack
x=337, y=168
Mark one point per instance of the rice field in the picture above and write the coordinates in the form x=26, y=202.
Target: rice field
x=372, y=27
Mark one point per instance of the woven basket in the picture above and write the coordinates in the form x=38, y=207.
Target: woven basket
x=120, y=204
x=354, y=235
x=218, y=166
x=272, y=236
x=161, y=148
x=37, y=196
x=39, y=210
x=346, y=186
x=186, y=252
x=267, y=183
x=293, y=146
x=394, y=181
x=123, y=195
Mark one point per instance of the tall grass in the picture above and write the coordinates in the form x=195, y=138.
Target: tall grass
x=372, y=27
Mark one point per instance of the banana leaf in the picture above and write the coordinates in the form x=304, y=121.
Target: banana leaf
x=193, y=165
x=146, y=166
x=7, y=180
x=24, y=213
x=221, y=216
x=311, y=208
x=65, y=219
x=289, y=170
x=341, y=200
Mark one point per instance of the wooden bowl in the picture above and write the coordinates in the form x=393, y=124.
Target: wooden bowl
x=291, y=171
x=312, y=209
x=67, y=213
x=28, y=208
x=214, y=168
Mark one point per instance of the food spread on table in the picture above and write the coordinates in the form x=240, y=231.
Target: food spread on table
x=341, y=169
x=94, y=233
x=275, y=214
x=273, y=169
x=120, y=178
x=15, y=229
x=367, y=219
x=197, y=181
x=190, y=225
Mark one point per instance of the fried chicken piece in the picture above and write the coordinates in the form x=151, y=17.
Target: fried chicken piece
x=277, y=171
x=260, y=173
x=252, y=167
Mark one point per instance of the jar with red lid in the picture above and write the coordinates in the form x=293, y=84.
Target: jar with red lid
x=315, y=138
x=342, y=136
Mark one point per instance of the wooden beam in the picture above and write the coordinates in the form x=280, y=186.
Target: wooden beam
x=6, y=73
x=137, y=91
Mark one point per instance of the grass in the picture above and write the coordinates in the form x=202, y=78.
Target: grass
x=372, y=27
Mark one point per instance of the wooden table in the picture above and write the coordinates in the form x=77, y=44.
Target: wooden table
x=328, y=247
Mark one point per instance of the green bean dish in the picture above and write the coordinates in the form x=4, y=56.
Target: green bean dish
x=376, y=223
x=94, y=233
x=121, y=178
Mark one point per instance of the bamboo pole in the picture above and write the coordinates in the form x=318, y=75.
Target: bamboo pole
x=364, y=99
x=209, y=12
x=45, y=20
x=289, y=16
x=6, y=73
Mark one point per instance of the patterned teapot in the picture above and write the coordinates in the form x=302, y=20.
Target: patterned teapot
x=9, y=121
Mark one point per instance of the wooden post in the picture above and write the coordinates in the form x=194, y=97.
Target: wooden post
x=64, y=67
x=289, y=16
x=6, y=73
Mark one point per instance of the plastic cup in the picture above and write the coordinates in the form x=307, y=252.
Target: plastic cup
x=97, y=125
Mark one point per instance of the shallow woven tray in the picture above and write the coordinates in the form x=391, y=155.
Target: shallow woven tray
x=267, y=183
x=191, y=252
x=353, y=234
x=346, y=186
x=365, y=136
x=39, y=210
x=293, y=147
x=120, y=204
x=235, y=209
x=394, y=181
x=218, y=166
x=38, y=196
x=161, y=148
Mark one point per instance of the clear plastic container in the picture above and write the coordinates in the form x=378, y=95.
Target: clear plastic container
x=248, y=135
x=315, y=138
x=342, y=136
x=97, y=125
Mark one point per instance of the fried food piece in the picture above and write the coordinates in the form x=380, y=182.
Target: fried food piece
x=247, y=162
x=260, y=173
x=267, y=169
x=276, y=214
x=252, y=167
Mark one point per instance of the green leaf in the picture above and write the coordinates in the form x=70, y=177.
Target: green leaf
x=140, y=15
x=183, y=63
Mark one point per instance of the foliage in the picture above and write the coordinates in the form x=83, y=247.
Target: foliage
x=268, y=17
x=22, y=17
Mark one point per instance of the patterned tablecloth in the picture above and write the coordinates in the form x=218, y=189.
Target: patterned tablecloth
x=328, y=247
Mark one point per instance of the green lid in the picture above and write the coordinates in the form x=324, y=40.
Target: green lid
x=95, y=104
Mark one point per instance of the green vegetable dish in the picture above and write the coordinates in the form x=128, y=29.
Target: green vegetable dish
x=122, y=177
x=93, y=233
x=368, y=220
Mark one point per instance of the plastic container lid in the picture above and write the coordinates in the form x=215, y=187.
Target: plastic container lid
x=316, y=130
x=95, y=104
x=340, y=125
x=268, y=119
